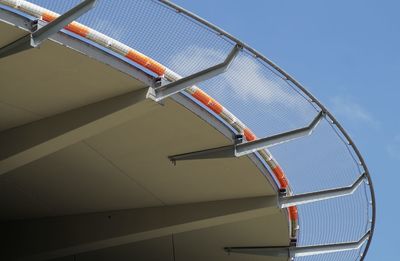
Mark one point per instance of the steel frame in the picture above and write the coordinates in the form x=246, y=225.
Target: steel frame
x=241, y=149
x=35, y=38
x=300, y=199
x=164, y=91
x=15, y=154
x=297, y=84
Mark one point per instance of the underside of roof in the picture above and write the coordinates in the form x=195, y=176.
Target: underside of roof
x=123, y=167
x=107, y=153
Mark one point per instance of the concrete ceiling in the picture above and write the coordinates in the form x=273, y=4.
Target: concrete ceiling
x=206, y=244
x=124, y=167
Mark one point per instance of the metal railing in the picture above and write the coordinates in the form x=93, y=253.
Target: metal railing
x=195, y=23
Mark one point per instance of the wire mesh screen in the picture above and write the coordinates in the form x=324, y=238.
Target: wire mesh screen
x=152, y=29
x=348, y=255
x=268, y=100
x=259, y=96
x=316, y=162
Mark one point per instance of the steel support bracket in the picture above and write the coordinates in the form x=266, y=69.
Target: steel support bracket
x=237, y=150
x=300, y=251
x=295, y=200
x=159, y=93
x=35, y=38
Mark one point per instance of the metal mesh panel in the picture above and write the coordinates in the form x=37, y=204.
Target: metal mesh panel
x=152, y=29
x=347, y=255
x=337, y=220
x=316, y=162
x=57, y=6
x=259, y=96
x=272, y=106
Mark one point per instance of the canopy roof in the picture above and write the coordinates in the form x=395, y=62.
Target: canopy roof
x=89, y=150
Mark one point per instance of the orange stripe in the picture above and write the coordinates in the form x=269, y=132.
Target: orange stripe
x=78, y=29
x=293, y=213
x=132, y=55
x=73, y=27
x=146, y=62
x=280, y=176
x=208, y=101
x=48, y=17
x=249, y=135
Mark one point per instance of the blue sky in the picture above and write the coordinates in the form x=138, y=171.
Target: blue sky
x=347, y=54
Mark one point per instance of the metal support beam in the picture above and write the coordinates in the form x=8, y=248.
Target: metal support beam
x=237, y=150
x=300, y=199
x=50, y=238
x=263, y=143
x=36, y=38
x=24, y=144
x=162, y=92
x=71, y=42
x=299, y=251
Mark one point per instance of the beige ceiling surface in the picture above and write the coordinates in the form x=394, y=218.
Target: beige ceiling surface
x=52, y=79
x=74, y=180
x=140, y=149
x=11, y=116
x=126, y=166
x=155, y=249
x=205, y=244
x=9, y=33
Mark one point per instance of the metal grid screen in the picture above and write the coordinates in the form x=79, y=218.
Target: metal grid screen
x=264, y=98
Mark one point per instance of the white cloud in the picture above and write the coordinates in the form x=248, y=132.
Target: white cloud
x=346, y=106
x=246, y=78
